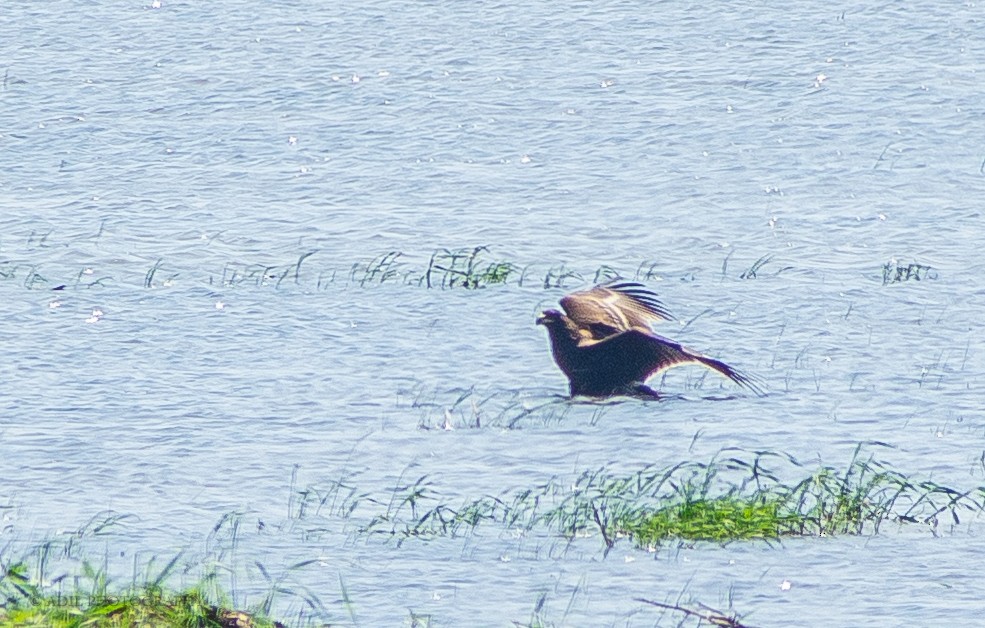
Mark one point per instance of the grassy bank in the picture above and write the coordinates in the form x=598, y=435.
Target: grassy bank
x=26, y=603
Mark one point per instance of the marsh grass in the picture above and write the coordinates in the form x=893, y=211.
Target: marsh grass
x=379, y=270
x=340, y=499
x=729, y=499
x=420, y=620
x=88, y=599
x=678, y=612
x=896, y=271
x=8, y=269
x=469, y=408
x=149, y=277
x=261, y=275
x=558, y=276
x=705, y=614
x=26, y=604
x=755, y=269
x=56, y=584
x=85, y=280
x=34, y=279
x=722, y=518
x=466, y=268
x=733, y=499
x=469, y=268
x=39, y=239
x=222, y=564
x=473, y=408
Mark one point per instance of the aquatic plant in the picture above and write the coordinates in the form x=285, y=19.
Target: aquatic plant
x=149, y=277
x=540, y=617
x=719, y=518
x=647, y=270
x=706, y=614
x=727, y=499
x=754, y=269
x=26, y=603
x=420, y=620
x=380, y=269
x=260, y=275
x=56, y=584
x=34, y=279
x=8, y=269
x=89, y=599
x=557, y=275
x=39, y=239
x=447, y=268
x=468, y=267
x=472, y=408
x=896, y=271
x=736, y=499
x=85, y=279
x=339, y=499
x=465, y=268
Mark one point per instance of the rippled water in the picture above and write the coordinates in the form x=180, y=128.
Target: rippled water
x=210, y=183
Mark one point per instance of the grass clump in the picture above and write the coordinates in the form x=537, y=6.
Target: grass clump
x=447, y=268
x=896, y=271
x=465, y=268
x=24, y=603
x=736, y=499
x=259, y=275
x=725, y=500
x=475, y=409
x=55, y=584
x=379, y=270
x=469, y=267
x=725, y=518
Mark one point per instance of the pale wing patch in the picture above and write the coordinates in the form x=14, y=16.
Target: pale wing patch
x=619, y=305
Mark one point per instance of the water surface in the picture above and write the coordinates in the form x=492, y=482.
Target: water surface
x=170, y=167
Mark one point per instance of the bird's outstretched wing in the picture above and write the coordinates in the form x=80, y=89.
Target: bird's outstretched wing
x=613, y=307
x=634, y=355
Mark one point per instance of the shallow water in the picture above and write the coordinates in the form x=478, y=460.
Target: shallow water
x=170, y=167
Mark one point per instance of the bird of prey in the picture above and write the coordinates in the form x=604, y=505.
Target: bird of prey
x=605, y=346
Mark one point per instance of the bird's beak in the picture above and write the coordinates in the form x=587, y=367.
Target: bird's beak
x=542, y=319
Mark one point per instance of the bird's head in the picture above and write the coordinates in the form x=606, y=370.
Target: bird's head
x=550, y=317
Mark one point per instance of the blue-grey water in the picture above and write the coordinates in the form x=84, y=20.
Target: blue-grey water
x=193, y=384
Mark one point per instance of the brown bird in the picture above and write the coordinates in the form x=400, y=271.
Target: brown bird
x=605, y=346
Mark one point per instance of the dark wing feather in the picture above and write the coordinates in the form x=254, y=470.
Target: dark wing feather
x=634, y=355
x=612, y=307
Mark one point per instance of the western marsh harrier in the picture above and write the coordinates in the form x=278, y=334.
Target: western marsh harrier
x=604, y=344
